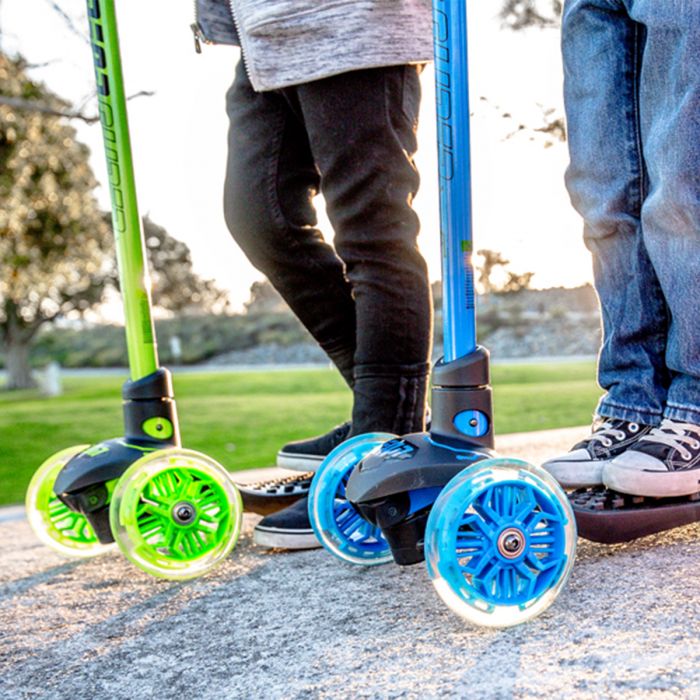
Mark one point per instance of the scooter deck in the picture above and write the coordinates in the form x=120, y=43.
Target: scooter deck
x=272, y=494
x=609, y=517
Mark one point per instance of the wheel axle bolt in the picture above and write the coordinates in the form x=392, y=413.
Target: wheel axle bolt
x=184, y=513
x=511, y=543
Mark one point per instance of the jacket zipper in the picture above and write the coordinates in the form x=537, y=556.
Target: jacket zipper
x=199, y=37
x=240, y=38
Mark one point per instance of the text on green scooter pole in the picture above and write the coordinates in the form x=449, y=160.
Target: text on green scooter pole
x=133, y=272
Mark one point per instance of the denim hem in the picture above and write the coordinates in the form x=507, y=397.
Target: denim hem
x=608, y=409
x=682, y=414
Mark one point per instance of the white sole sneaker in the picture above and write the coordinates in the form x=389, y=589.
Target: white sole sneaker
x=299, y=462
x=638, y=474
x=275, y=538
x=576, y=470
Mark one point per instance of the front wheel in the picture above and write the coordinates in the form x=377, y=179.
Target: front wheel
x=335, y=521
x=500, y=542
x=176, y=514
x=53, y=522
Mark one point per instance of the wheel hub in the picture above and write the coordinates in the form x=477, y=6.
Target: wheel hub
x=511, y=543
x=184, y=513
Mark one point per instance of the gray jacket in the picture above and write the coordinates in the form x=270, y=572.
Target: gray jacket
x=287, y=42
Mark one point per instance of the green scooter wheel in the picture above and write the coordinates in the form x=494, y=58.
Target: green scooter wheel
x=176, y=514
x=56, y=525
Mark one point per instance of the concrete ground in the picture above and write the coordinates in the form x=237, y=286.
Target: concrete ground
x=303, y=625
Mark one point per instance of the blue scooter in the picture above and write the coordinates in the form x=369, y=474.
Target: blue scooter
x=498, y=535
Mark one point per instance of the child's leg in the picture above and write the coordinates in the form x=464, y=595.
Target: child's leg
x=667, y=461
x=361, y=127
x=602, y=48
x=270, y=181
x=607, y=181
x=669, y=103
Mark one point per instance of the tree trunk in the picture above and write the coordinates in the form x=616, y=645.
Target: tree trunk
x=19, y=373
x=16, y=336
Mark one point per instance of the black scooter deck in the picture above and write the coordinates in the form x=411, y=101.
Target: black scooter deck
x=609, y=517
x=270, y=495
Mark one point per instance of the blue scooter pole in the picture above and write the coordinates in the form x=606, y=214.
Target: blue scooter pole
x=462, y=406
x=452, y=115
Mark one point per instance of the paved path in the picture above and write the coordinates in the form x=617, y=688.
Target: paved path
x=302, y=625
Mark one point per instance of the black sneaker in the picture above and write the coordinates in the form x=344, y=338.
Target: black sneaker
x=266, y=497
x=583, y=465
x=664, y=463
x=307, y=455
x=288, y=529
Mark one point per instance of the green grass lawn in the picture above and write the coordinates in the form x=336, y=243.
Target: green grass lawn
x=241, y=419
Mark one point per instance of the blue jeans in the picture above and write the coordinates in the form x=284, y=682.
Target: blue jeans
x=632, y=95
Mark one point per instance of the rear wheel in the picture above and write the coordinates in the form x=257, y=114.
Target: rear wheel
x=53, y=522
x=335, y=521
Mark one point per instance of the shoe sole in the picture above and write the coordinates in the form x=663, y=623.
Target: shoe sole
x=636, y=482
x=274, y=538
x=272, y=496
x=568, y=474
x=263, y=504
x=299, y=463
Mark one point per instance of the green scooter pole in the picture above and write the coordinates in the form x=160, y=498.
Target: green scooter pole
x=126, y=222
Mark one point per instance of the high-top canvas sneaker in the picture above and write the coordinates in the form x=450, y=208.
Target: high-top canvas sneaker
x=583, y=464
x=664, y=463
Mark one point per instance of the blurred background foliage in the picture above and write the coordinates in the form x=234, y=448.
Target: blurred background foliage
x=56, y=248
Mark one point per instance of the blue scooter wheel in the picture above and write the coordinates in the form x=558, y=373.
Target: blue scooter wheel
x=337, y=524
x=500, y=542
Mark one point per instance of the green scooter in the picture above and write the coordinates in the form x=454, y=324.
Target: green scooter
x=174, y=513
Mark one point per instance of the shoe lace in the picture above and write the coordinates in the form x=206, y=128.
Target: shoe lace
x=607, y=430
x=676, y=435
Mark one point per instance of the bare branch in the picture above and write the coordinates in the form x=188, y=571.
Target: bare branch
x=68, y=21
x=31, y=106
x=43, y=64
x=141, y=93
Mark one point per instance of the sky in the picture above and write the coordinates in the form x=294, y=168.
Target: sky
x=520, y=205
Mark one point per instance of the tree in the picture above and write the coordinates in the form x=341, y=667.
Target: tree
x=518, y=14
x=490, y=260
x=514, y=282
x=265, y=299
x=53, y=238
x=175, y=285
x=517, y=282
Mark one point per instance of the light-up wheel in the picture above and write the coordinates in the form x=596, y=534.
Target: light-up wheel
x=53, y=522
x=176, y=513
x=335, y=521
x=500, y=542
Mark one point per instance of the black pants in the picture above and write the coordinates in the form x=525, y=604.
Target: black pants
x=366, y=300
